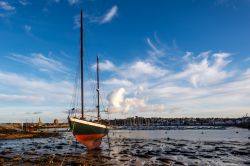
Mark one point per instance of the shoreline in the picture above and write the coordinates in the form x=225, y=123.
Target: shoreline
x=27, y=135
x=13, y=132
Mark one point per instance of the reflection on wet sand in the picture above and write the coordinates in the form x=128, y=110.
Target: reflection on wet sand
x=127, y=150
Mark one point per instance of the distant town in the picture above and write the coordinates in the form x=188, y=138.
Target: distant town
x=162, y=123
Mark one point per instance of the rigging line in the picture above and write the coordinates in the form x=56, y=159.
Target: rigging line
x=78, y=94
x=78, y=89
x=72, y=104
x=92, y=86
x=77, y=86
x=91, y=76
x=73, y=94
x=76, y=77
x=102, y=101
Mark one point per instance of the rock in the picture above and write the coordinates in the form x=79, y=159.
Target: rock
x=1, y=160
x=247, y=162
x=165, y=160
x=6, y=151
x=17, y=158
x=47, y=147
x=59, y=147
x=241, y=152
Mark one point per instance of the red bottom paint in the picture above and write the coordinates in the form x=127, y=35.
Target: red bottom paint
x=91, y=141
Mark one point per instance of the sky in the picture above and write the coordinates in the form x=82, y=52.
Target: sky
x=157, y=58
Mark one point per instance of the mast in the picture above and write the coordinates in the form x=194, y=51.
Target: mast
x=97, y=88
x=81, y=52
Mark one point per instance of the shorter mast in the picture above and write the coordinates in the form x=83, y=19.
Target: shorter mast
x=97, y=88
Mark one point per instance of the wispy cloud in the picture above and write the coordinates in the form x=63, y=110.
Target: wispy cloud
x=18, y=98
x=135, y=70
x=6, y=6
x=27, y=28
x=141, y=69
x=26, y=89
x=7, y=9
x=119, y=82
x=160, y=53
x=205, y=72
x=76, y=21
x=110, y=15
x=40, y=61
x=247, y=59
x=24, y=2
x=72, y=2
x=155, y=51
x=142, y=86
x=101, y=19
x=57, y=1
x=227, y=3
x=105, y=66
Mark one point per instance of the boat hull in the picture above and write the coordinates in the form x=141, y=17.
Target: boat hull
x=88, y=133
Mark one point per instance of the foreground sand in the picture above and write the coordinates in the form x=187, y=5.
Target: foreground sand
x=63, y=150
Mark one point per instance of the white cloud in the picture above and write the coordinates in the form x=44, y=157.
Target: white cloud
x=105, y=66
x=100, y=19
x=247, y=59
x=73, y=2
x=205, y=72
x=203, y=80
x=119, y=82
x=27, y=28
x=24, y=2
x=6, y=6
x=247, y=73
x=118, y=103
x=21, y=88
x=116, y=98
x=77, y=23
x=22, y=98
x=110, y=15
x=141, y=69
x=156, y=51
x=187, y=56
x=40, y=62
x=135, y=70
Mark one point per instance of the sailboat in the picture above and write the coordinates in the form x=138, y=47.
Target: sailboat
x=88, y=133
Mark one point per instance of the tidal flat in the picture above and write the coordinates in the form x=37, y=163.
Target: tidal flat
x=125, y=147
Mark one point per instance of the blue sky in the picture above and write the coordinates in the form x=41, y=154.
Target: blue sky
x=158, y=58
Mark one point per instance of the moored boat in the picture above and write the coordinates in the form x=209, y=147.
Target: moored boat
x=88, y=133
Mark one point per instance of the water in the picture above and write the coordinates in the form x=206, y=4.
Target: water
x=230, y=134
x=135, y=147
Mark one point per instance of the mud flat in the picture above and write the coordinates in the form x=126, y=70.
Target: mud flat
x=63, y=150
x=26, y=135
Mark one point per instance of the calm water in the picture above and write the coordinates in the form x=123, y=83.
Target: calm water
x=229, y=134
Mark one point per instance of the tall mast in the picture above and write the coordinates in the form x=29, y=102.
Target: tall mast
x=81, y=51
x=97, y=88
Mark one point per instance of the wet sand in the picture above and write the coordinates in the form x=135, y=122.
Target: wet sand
x=63, y=150
x=25, y=135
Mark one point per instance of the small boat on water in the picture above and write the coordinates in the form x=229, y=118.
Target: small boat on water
x=86, y=132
